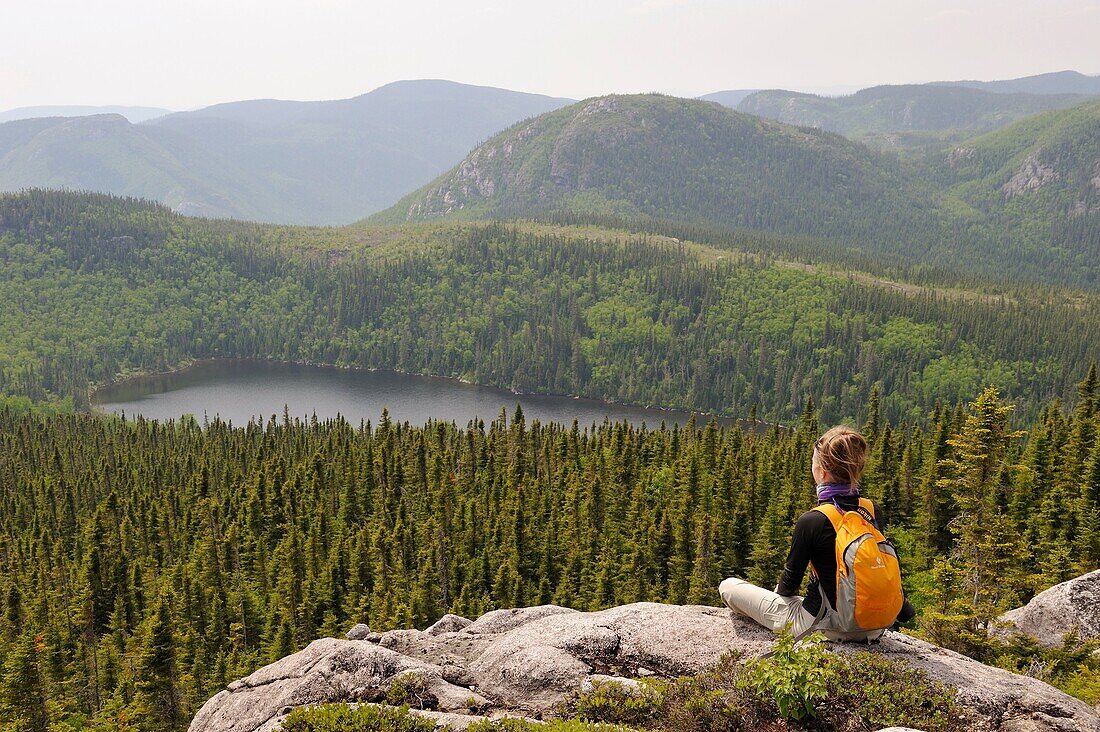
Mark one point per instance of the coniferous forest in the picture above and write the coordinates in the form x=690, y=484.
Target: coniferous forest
x=448, y=406
x=144, y=565
x=99, y=287
x=147, y=564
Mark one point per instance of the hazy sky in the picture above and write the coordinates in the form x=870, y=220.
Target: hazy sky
x=188, y=53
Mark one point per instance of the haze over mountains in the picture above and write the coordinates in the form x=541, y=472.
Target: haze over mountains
x=891, y=114
x=284, y=162
x=1055, y=82
x=917, y=116
x=334, y=162
x=134, y=114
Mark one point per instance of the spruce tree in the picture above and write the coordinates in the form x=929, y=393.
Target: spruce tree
x=157, y=701
x=22, y=697
x=988, y=557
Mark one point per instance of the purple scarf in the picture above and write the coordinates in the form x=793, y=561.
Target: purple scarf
x=829, y=492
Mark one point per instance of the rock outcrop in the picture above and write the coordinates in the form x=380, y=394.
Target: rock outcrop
x=1032, y=175
x=1056, y=611
x=527, y=661
x=359, y=632
x=449, y=623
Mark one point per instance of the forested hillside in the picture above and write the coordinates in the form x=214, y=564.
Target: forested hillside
x=663, y=158
x=99, y=287
x=145, y=565
x=680, y=159
x=1038, y=179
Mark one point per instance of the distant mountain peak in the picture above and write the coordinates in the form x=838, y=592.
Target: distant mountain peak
x=1053, y=82
x=326, y=162
x=650, y=155
x=133, y=114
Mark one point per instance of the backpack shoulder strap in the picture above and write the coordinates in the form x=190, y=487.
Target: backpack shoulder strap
x=867, y=510
x=868, y=505
x=831, y=513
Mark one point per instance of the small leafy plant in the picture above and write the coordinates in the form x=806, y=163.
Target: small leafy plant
x=610, y=701
x=796, y=677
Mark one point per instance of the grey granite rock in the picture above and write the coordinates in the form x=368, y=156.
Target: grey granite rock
x=528, y=661
x=449, y=623
x=1054, y=612
x=499, y=621
x=359, y=632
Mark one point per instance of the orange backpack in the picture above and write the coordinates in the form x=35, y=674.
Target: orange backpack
x=868, y=575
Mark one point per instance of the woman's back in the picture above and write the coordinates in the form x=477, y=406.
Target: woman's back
x=814, y=543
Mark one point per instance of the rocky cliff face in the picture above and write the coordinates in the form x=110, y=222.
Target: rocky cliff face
x=1032, y=175
x=527, y=661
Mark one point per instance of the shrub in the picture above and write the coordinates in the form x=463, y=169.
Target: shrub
x=343, y=718
x=702, y=704
x=410, y=689
x=610, y=701
x=1084, y=683
x=798, y=684
x=882, y=693
x=796, y=677
x=1074, y=667
x=519, y=725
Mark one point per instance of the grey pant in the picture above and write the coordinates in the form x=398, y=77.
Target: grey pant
x=768, y=608
x=775, y=612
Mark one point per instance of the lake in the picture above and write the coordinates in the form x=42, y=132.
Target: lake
x=241, y=390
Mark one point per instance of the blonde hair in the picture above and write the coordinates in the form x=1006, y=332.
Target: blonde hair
x=843, y=452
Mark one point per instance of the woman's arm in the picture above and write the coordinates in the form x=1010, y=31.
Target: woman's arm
x=805, y=531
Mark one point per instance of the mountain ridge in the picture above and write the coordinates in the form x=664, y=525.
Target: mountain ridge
x=284, y=162
x=696, y=162
x=651, y=155
x=1054, y=82
x=134, y=114
x=953, y=111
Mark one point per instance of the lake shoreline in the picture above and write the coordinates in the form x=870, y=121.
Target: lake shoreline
x=101, y=394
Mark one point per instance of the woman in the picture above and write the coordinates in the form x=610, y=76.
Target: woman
x=837, y=464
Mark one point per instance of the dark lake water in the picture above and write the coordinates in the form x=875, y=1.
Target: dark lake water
x=239, y=391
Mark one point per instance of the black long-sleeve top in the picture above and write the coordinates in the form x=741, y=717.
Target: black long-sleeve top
x=814, y=542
